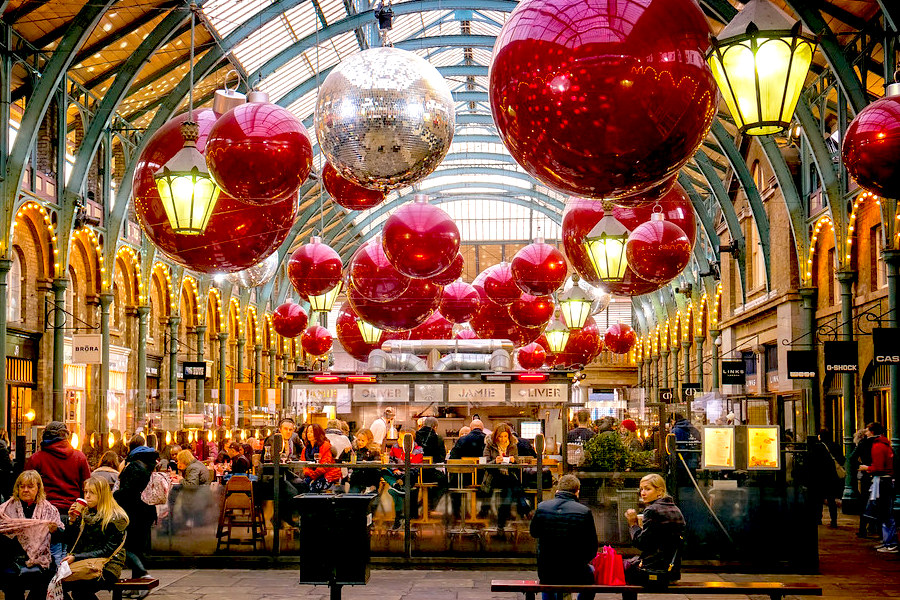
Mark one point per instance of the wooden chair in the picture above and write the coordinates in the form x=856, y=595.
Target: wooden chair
x=239, y=510
x=424, y=489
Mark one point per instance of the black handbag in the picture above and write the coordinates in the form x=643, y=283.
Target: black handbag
x=660, y=577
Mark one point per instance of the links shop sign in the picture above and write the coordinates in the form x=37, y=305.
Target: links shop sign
x=841, y=357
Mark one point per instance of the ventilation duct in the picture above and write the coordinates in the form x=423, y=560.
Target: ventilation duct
x=382, y=361
x=447, y=346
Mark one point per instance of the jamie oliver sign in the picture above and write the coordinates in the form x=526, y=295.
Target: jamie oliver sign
x=884, y=340
x=381, y=393
x=841, y=357
x=476, y=392
x=545, y=392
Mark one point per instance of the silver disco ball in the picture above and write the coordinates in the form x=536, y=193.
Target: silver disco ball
x=256, y=275
x=385, y=118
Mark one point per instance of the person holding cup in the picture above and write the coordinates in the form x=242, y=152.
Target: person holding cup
x=659, y=535
x=501, y=448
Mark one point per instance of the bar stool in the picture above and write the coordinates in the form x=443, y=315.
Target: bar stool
x=239, y=510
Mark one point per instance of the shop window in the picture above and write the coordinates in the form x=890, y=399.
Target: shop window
x=877, y=273
x=772, y=358
x=14, y=290
x=750, y=362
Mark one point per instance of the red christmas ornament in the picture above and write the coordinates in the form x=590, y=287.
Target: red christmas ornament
x=531, y=356
x=500, y=285
x=871, y=147
x=238, y=235
x=605, y=98
x=314, y=268
x=257, y=151
x=466, y=334
x=436, y=327
x=420, y=240
x=348, y=194
x=351, y=339
x=676, y=207
x=539, y=268
x=316, y=341
x=459, y=302
x=649, y=196
x=289, y=320
x=373, y=276
x=620, y=338
x=408, y=310
x=658, y=250
x=532, y=311
x=632, y=285
x=492, y=321
x=451, y=273
x=582, y=347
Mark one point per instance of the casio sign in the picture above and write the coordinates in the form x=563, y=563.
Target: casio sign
x=888, y=359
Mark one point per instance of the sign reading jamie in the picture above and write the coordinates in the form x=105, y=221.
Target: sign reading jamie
x=476, y=392
x=86, y=348
x=841, y=357
x=195, y=370
x=734, y=372
x=546, y=392
x=801, y=364
x=381, y=393
x=884, y=340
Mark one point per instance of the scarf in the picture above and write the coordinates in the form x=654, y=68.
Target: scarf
x=32, y=534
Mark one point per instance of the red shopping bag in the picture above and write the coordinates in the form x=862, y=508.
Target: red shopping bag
x=608, y=567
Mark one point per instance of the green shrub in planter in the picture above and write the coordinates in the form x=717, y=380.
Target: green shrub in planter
x=607, y=452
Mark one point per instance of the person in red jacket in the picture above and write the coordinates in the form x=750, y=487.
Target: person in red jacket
x=317, y=449
x=881, y=498
x=63, y=468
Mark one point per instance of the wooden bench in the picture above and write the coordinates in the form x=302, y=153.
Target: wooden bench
x=132, y=585
x=774, y=589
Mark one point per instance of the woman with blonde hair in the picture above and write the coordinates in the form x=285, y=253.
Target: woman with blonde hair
x=659, y=537
x=96, y=531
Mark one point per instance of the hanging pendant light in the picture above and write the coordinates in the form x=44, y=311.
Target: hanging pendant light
x=575, y=305
x=605, y=246
x=557, y=335
x=324, y=302
x=370, y=334
x=760, y=61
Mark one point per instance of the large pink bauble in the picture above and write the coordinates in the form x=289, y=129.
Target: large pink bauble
x=531, y=356
x=539, y=268
x=532, y=311
x=500, y=285
x=314, y=268
x=257, y=151
x=603, y=98
x=289, y=320
x=408, y=310
x=620, y=338
x=351, y=339
x=238, y=235
x=436, y=327
x=348, y=194
x=492, y=321
x=582, y=347
x=451, y=273
x=373, y=276
x=466, y=334
x=459, y=302
x=316, y=340
x=871, y=147
x=420, y=240
x=658, y=251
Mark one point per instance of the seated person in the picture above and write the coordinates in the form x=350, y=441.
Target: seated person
x=394, y=477
x=317, y=449
x=340, y=444
x=659, y=538
x=500, y=447
x=365, y=480
x=240, y=465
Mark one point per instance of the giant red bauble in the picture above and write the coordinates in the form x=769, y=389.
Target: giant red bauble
x=238, y=235
x=459, y=302
x=257, y=151
x=620, y=338
x=492, y=321
x=539, y=268
x=532, y=311
x=451, y=273
x=351, y=339
x=289, y=320
x=373, y=276
x=316, y=340
x=435, y=327
x=871, y=147
x=582, y=347
x=499, y=284
x=531, y=356
x=658, y=251
x=420, y=239
x=314, y=268
x=603, y=98
x=348, y=194
x=410, y=309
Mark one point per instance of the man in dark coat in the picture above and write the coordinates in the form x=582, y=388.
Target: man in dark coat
x=686, y=435
x=470, y=445
x=566, y=538
x=133, y=480
x=581, y=432
x=433, y=447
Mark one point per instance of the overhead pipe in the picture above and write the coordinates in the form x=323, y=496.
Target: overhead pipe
x=382, y=361
x=499, y=360
x=447, y=346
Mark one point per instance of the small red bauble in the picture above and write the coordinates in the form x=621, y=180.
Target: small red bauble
x=620, y=338
x=603, y=98
x=451, y=273
x=499, y=284
x=348, y=194
x=676, y=207
x=539, y=268
x=532, y=311
x=259, y=151
x=531, y=356
x=436, y=327
x=351, y=339
x=238, y=235
x=582, y=347
x=871, y=147
x=420, y=240
x=314, y=268
x=459, y=302
x=408, y=310
x=493, y=322
x=289, y=320
x=316, y=340
x=658, y=250
x=373, y=276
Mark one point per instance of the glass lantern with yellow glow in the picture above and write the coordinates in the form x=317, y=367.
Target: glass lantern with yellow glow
x=557, y=335
x=760, y=61
x=605, y=246
x=324, y=302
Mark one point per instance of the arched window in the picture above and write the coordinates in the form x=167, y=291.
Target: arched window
x=14, y=290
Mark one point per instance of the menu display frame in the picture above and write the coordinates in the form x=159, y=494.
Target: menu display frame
x=711, y=437
x=757, y=430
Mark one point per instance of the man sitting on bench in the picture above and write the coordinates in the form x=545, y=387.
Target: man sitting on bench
x=659, y=536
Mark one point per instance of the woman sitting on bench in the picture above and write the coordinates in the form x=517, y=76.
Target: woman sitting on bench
x=659, y=537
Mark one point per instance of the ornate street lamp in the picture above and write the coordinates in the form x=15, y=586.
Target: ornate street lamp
x=575, y=305
x=760, y=61
x=370, y=334
x=557, y=335
x=605, y=246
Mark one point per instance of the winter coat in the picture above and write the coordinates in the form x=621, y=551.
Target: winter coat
x=363, y=478
x=685, y=432
x=96, y=541
x=141, y=516
x=580, y=434
x=432, y=444
x=195, y=474
x=469, y=446
x=331, y=474
x=107, y=473
x=340, y=444
x=823, y=480
x=566, y=540
x=492, y=452
x=661, y=536
x=882, y=457
x=63, y=469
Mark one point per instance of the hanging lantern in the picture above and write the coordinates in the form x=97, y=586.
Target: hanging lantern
x=420, y=239
x=185, y=187
x=324, y=302
x=658, y=250
x=314, y=268
x=605, y=245
x=373, y=275
x=760, y=61
x=557, y=335
x=459, y=302
x=871, y=147
x=370, y=334
x=316, y=341
x=539, y=268
x=575, y=305
x=581, y=348
x=620, y=338
x=289, y=320
x=531, y=356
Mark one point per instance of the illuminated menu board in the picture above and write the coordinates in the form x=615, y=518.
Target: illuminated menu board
x=718, y=448
x=763, y=447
